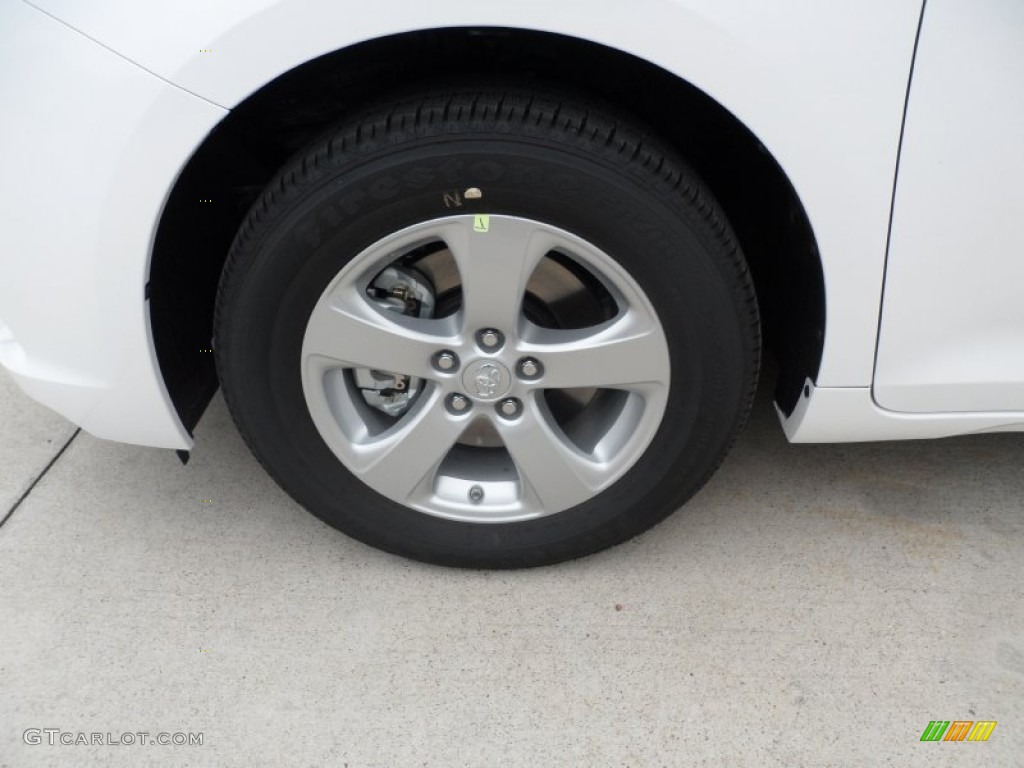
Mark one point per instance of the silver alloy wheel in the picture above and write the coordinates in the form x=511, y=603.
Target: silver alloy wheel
x=537, y=464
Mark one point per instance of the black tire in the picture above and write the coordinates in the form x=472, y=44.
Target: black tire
x=567, y=163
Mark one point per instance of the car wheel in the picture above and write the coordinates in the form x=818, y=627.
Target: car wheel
x=487, y=328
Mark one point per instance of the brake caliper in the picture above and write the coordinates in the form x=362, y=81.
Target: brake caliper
x=406, y=291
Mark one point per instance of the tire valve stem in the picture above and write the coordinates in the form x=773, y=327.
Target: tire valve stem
x=476, y=494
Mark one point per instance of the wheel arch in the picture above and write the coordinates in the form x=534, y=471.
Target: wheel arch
x=227, y=172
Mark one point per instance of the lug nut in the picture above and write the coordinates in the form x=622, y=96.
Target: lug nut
x=476, y=494
x=489, y=338
x=509, y=407
x=529, y=368
x=446, y=361
x=458, y=403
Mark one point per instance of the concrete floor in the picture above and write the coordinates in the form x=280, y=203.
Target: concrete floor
x=814, y=605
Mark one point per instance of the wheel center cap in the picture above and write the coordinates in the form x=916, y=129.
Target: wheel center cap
x=486, y=380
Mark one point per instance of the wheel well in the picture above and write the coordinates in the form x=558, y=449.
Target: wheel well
x=229, y=170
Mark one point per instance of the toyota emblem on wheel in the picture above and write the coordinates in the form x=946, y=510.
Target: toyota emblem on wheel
x=487, y=380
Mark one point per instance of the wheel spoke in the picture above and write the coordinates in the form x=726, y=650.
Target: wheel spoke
x=355, y=334
x=495, y=266
x=626, y=353
x=556, y=473
x=402, y=458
